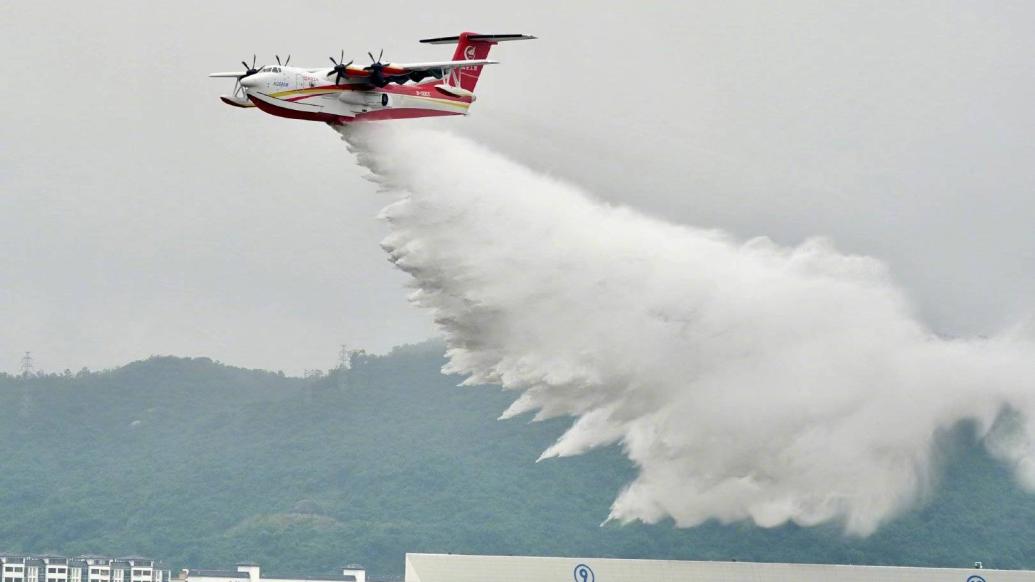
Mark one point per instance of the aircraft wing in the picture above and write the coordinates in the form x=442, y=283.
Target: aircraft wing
x=440, y=65
x=228, y=75
x=406, y=68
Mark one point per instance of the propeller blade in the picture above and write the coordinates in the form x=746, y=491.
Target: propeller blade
x=371, y=57
x=246, y=67
x=253, y=60
x=342, y=55
x=380, y=54
x=278, y=58
x=287, y=61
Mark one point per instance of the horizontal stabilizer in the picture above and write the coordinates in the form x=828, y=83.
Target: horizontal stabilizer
x=478, y=38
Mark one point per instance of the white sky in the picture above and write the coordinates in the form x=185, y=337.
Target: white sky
x=139, y=215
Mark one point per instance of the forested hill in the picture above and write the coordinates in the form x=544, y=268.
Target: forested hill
x=205, y=465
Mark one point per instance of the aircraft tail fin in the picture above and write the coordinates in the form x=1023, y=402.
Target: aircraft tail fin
x=471, y=46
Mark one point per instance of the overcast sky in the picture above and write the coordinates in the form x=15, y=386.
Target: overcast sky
x=139, y=215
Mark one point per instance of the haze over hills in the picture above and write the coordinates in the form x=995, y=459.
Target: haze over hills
x=204, y=465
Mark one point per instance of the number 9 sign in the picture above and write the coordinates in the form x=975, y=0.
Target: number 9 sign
x=583, y=573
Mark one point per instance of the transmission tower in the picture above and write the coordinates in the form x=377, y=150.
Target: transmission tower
x=344, y=363
x=344, y=358
x=26, y=367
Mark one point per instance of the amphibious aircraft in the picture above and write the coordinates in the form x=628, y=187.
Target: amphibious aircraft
x=346, y=92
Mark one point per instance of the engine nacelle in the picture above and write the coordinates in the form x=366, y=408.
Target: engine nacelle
x=365, y=98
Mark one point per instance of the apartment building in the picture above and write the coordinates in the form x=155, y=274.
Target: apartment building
x=86, y=568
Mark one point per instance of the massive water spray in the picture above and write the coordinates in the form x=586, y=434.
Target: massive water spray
x=745, y=380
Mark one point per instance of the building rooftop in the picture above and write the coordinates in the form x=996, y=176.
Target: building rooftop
x=217, y=573
x=192, y=573
x=465, y=568
x=332, y=577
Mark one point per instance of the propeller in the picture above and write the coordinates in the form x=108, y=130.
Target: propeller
x=377, y=75
x=375, y=71
x=285, y=63
x=341, y=68
x=248, y=71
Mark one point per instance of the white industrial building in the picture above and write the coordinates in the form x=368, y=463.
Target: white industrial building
x=461, y=568
x=253, y=573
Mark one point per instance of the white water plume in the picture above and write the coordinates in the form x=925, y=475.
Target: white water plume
x=745, y=380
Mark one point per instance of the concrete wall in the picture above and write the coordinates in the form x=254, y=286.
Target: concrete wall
x=358, y=572
x=253, y=571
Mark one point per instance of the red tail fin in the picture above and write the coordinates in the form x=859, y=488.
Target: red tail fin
x=466, y=50
x=470, y=45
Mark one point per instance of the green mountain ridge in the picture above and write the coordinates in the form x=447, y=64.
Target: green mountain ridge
x=205, y=465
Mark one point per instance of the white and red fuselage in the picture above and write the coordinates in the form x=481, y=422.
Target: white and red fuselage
x=299, y=94
x=360, y=94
